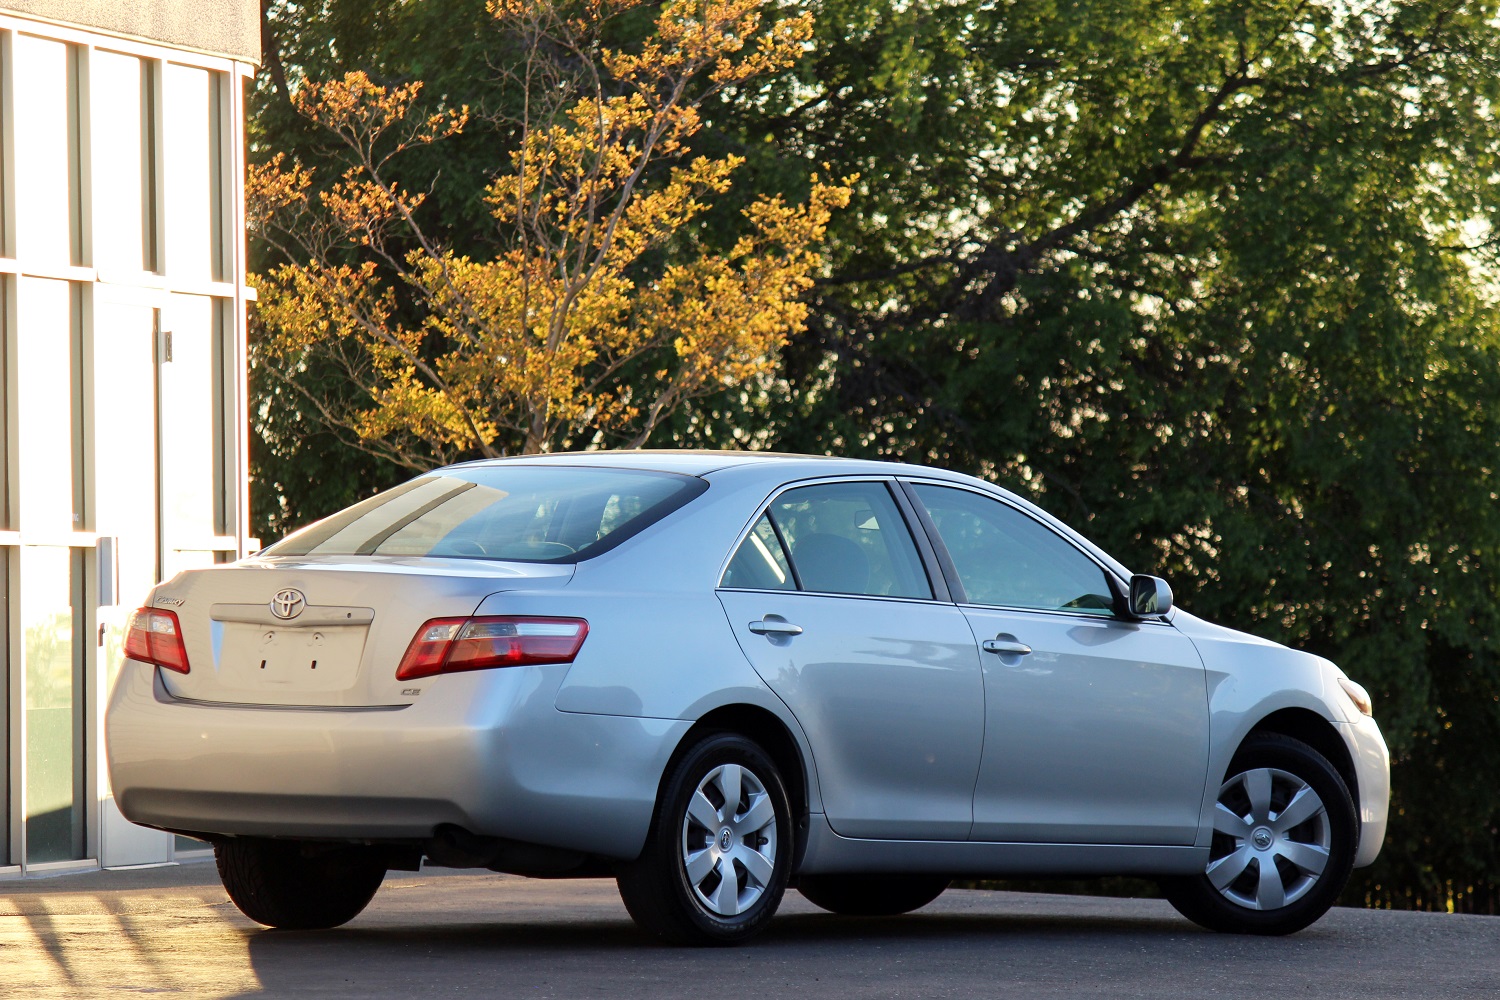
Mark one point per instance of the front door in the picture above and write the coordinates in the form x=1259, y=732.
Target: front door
x=1096, y=728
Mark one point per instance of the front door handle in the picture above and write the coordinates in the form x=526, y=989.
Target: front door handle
x=1006, y=643
x=771, y=626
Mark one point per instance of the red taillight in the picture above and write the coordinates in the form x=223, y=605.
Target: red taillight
x=155, y=636
x=448, y=645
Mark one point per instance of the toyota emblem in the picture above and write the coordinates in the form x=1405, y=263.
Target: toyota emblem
x=288, y=603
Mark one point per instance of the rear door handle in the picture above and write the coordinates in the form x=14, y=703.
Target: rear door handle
x=773, y=627
x=1006, y=643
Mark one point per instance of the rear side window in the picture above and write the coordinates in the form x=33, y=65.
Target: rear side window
x=555, y=514
x=760, y=563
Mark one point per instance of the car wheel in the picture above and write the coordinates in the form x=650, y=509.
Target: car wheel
x=715, y=863
x=274, y=883
x=871, y=895
x=1283, y=843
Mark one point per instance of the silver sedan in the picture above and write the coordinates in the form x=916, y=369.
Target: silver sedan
x=716, y=675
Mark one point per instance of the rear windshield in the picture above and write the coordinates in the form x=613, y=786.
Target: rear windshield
x=551, y=514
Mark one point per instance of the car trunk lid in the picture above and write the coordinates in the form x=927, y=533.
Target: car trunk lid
x=323, y=631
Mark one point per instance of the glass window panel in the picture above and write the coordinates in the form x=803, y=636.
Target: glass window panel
x=850, y=538
x=124, y=427
x=44, y=391
x=44, y=161
x=7, y=401
x=187, y=424
x=53, y=704
x=190, y=105
x=225, y=384
x=122, y=154
x=760, y=563
x=530, y=514
x=1005, y=558
x=6, y=250
x=6, y=858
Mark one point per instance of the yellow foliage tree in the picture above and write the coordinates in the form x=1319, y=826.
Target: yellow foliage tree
x=591, y=324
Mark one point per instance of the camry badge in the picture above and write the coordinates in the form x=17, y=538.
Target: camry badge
x=288, y=603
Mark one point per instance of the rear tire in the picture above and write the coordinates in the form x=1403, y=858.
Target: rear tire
x=275, y=883
x=1283, y=846
x=717, y=856
x=871, y=895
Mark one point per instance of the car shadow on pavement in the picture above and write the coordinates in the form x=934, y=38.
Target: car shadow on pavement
x=791, y=930
x=582, y=953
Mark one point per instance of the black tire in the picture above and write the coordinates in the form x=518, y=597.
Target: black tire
x=871, y=895
x=1236, y=894
x=678, y=888
x=276, y=883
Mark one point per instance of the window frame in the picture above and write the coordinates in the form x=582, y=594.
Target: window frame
x=927, y=556
x=1117, y=585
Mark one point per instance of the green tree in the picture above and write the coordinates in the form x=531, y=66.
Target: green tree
x=1215, y=282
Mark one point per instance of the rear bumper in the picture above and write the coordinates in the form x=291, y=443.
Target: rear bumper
x=485, y=751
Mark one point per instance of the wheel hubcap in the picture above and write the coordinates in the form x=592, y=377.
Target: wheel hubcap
x=729, y=840
x=1271, y=839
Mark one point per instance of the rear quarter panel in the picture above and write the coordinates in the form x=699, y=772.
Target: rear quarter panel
x=659, y=646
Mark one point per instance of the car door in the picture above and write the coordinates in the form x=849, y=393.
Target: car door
x=833, y=605
x=1096, y=727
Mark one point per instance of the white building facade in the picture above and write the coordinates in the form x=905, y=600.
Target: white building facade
x=122, y=361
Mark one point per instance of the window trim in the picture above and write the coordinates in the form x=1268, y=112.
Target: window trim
x=786, y=550
x=926, y=555
x=1117, y=585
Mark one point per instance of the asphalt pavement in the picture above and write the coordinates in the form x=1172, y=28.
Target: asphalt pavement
x=171, y=931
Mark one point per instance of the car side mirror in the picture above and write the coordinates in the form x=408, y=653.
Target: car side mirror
x=1149, y=596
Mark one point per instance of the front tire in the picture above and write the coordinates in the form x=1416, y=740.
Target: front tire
x=717, y=856
x=871, y=895
x=1283, y=846
x=276, y=883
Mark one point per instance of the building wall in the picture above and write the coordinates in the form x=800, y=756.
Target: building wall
x=221, y=27
x=122, y=442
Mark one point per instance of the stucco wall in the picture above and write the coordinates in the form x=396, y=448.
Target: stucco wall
x=224, y=27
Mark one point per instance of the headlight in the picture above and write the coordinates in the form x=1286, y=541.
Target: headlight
x=1358, y=695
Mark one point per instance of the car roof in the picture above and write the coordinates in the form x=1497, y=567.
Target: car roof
x=706, y=463
x=688, y=462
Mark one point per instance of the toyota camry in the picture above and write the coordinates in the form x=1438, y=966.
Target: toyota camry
x=714, y=676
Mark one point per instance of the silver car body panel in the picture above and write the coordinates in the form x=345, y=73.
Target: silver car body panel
x=1058, y=718
x=485, y=751
x=890, y=695
x=242, y=653
x=1249, y=679
x=573, y=756
x=828, y=853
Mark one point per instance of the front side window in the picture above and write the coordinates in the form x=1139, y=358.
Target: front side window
x=516, y=513
x=1006, y=559
x=832, y=538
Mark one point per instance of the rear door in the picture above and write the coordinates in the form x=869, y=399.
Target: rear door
x=832, y=604
x=1096, y=727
